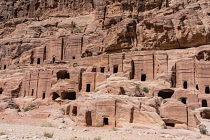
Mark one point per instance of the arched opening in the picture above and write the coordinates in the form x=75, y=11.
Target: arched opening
x=131, y=115
x=184, y=100
x=43, y=95
x=197, y=87
x=63, y=74
x=88, y=87
x=185, y=84
x=204, y=103
x=1, y=90
x=38, y=61
x=106, y=121
x=68, y=95
x=132, y=70
x=115, y=69
x=143, y=77
x=74, y=111
x=73, y=57
x=207, y=91
x=5, y=67
x=102, y=69
x=88, y=118
x=55, y=95
x=165, y=93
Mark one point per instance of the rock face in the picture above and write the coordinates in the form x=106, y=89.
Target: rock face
x=113, y=57
x=7, y=102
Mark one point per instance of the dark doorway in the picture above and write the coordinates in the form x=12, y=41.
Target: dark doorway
x=88, y=88
x=63, y=74
x=5, y=66
x=88, y=118
x=197, y=87
x=45, y=51
x=115, y=69
x=73, y=57
x=207, y=91
x=24, y=94
x=170, y=124
x=165, y=93
x=53, y=61
x=1, y=90
x=55, y=95
x=38, y=61
x=184, y=100
x=132, y=70
x=43, y=95
x=106, y=121
x=94, y=70
x=68, y=95
x=173, y=77
x=185, y=85
x=143, y=77
x=204, y=103
x=131, y=115
x=102, y=69
x=74, y=111
x=68, y=110
x=32, y=92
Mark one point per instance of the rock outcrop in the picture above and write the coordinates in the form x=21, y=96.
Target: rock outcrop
x=120, y=60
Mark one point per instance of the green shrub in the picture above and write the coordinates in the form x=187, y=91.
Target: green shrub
x=97, y=138
x=47, y=124
x=146, y=90
x=129, y=94
x=164, y=101
x=114, y=129
x=48, y=135
x=63, y=111
x=135, y=16
x=29, y=107
x=203, y=129
x=138, y=88
x=74, y=28
x=2, y=133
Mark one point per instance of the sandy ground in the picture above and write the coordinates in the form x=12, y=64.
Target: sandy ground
x=26, y=132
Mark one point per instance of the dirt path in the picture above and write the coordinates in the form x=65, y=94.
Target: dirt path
x=25, y=132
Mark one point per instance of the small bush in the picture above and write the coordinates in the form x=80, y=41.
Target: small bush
x=29, y=108
x=97, y=138
x=74, y=28
x=203, y=129
x=114, y=129
x=2, y=133
x=164, y=101
x=47, y=124
x=135, y=16
x=129, y=94
x=138, y=88
x=146, y=90
x=63, y=111
x=48, y=135
x=99, y=125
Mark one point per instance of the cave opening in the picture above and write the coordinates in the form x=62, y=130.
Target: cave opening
x=165, y=93
x=68, y=95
